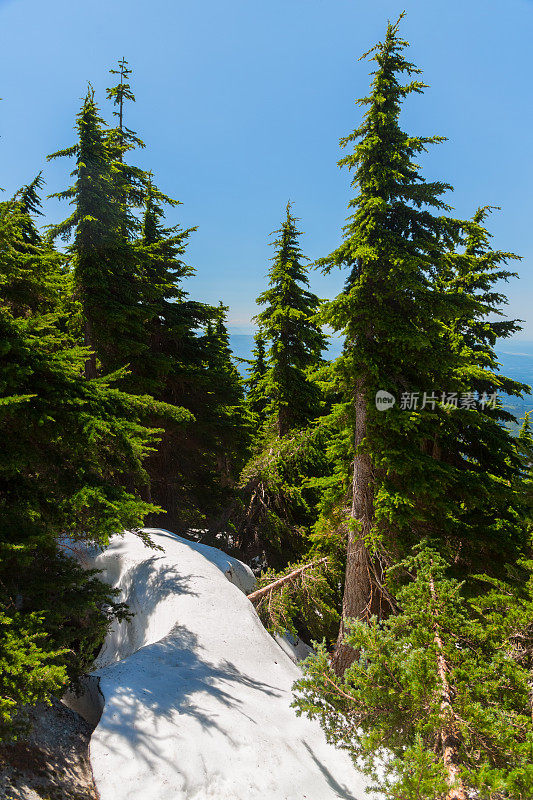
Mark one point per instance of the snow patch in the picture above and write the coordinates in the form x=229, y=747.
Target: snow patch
x=197, y=693
x=294, y=647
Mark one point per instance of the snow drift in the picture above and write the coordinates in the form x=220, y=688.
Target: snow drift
x=196, y=693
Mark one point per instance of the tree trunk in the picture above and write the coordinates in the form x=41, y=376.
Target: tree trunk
x=448, y=735
x=359, y=600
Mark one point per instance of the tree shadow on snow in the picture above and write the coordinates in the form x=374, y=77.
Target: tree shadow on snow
x=165, y=680
x=155, y=692
x=144, y=587
x=342, y=791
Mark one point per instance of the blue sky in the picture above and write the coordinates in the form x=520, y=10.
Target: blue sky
x=242, y=103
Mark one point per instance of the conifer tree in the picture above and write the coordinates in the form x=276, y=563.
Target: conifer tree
x=71, y=467
x=525, y=445
x=294, y=339
x=171, y=318
x=437, y=704
x=484, y=525
x=175, y=370
x=101, y=253
x=276, y=506
x=256, y=398
x=397, y=317
x=225, y=401
x=123, y=137
x=130, y=180
x=189, y=467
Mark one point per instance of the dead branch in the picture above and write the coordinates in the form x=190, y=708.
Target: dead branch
x=259, y=593
x=448, y=733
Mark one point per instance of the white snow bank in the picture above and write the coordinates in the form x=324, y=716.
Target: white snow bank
x=294, y=647
x=197, y=693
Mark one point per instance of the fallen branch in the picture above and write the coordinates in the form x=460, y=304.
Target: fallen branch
x=257, y=595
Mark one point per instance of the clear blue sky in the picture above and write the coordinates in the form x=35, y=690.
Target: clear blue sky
x=242, y=102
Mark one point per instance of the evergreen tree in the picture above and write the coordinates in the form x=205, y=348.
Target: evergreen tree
x=437, y=703
x=256, y=398
x=275, y=509
x=101, y=253
x=188, y=469
x=183, y=472
x=131, y=181
x=225, y=408
x=71, y=467
x=171, y=319
x=525, y=445
x=398, y=313
x=295, y=340
x=122, y=137
x=484, y=524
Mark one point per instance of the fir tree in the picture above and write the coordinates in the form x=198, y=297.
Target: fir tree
x=225, y=401
x=71, y=467
x=124, y=138
x=130, y=181
x=275, y=508
x=437, y=703
x=525, y=445
x=399, y=315
x=173, y=366
x=101, y=253
x=484, y=524
x=171, y=319
x=295, y=341
x=256, y=398
x=175, y=370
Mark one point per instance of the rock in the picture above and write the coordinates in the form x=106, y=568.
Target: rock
x=52, y=762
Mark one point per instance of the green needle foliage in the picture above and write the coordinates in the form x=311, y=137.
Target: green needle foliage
x=172, y=369
x=101, y=253
x=276, y=507
x=294, y=338
x=437, y=702
x=256, y=398
x=29, y=672
x=71, y=466
x=121, y=138
x=413, y=312
x=224, y=400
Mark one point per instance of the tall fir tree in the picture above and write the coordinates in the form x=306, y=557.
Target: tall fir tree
x=188, y=471
x=398, y=323
x=276, y=508
x=71, y=467
x=256, y=397
x=101, y=252
x=484, y=524
x=295, y=341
